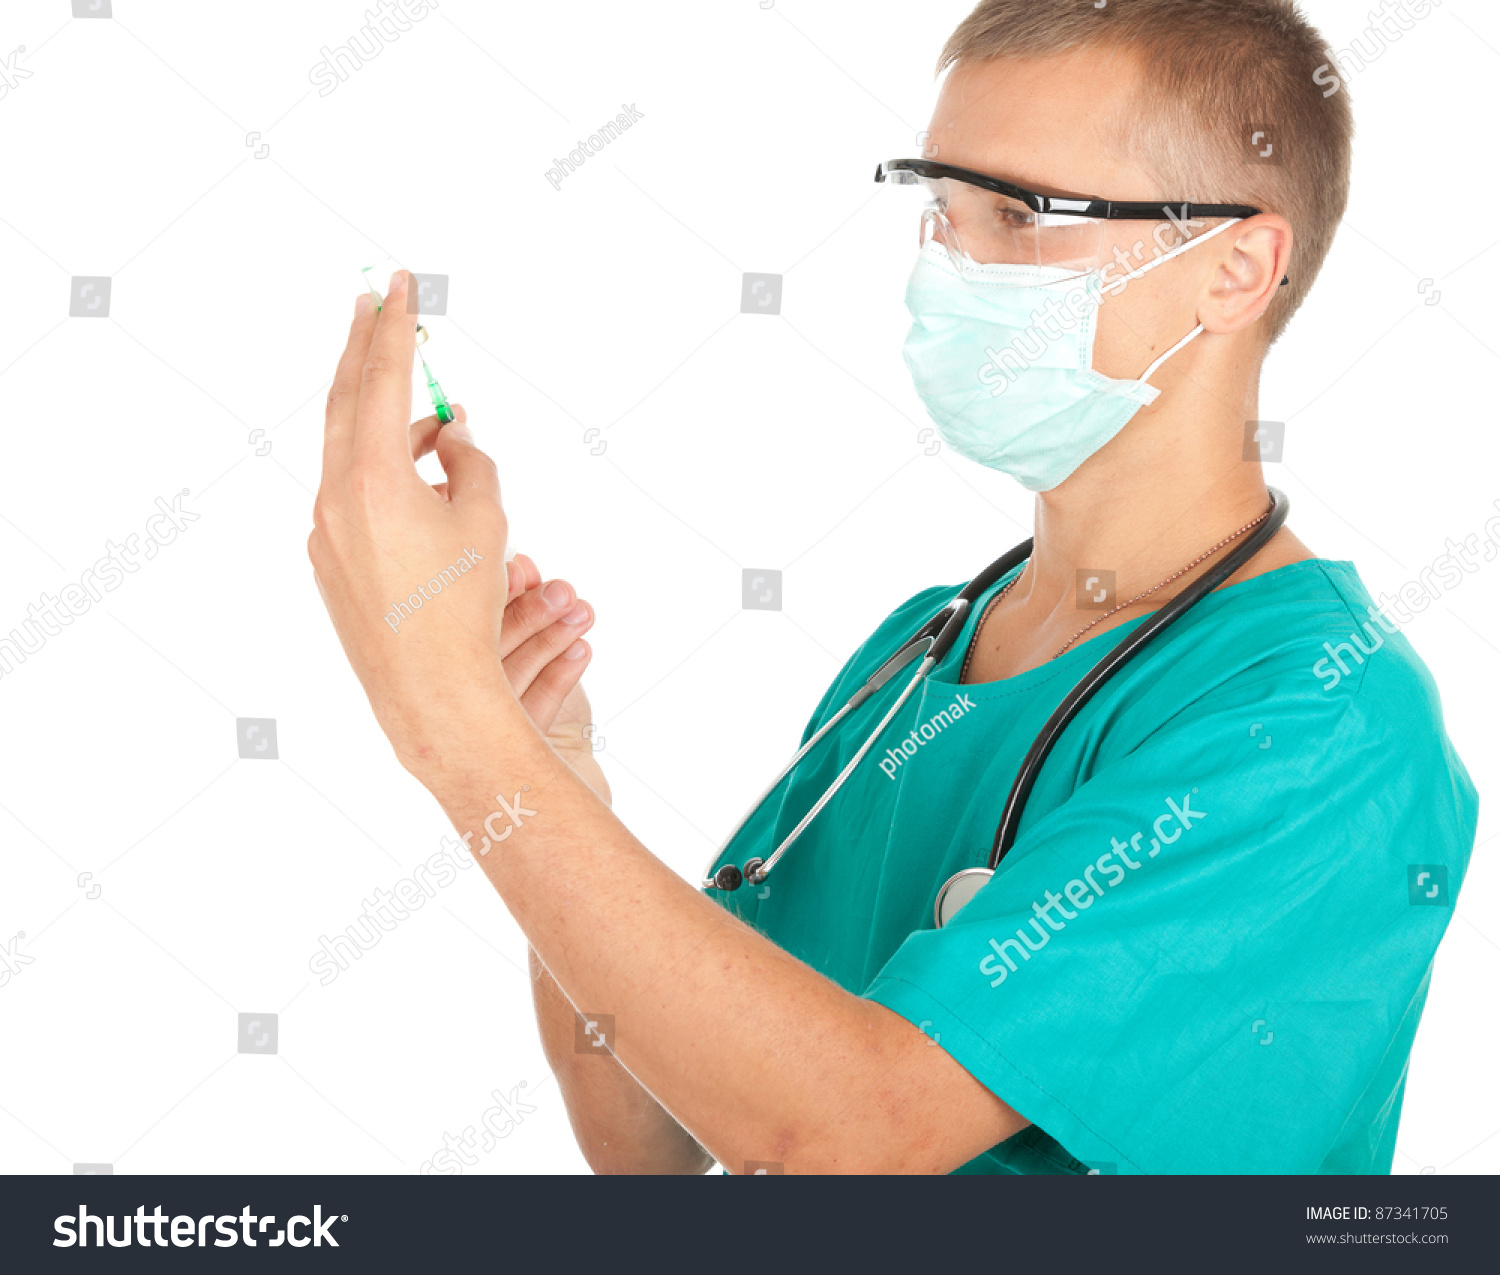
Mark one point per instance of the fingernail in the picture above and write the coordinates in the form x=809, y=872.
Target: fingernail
x=575, y=652
x=362, y=303
x=457, y=429
x=577, y=615
x=398, y=277
x=556, y=594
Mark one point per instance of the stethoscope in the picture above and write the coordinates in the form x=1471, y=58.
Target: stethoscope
x=933, y=641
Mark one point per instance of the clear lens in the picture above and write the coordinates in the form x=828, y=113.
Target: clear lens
x=991, y=228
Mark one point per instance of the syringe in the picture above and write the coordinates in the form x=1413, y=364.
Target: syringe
x=440, y=405
x=439, y=402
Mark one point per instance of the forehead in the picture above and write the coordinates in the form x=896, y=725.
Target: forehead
x=1052, y=124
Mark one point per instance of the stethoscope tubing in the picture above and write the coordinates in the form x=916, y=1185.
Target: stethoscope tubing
x=933, y=641
x=1116, y=659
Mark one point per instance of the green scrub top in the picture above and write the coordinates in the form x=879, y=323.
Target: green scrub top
x=1210, y=945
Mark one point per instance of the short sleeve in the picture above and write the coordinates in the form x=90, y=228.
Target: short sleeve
x=1211, y=957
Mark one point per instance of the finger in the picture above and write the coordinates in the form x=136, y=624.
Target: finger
x=383, y=418
x=531, y=612
x=423, y=433
x=552, y=685
x=533, y=574
x=516, y=580
x=471, y=473
x=527, y=662
x=343, y=395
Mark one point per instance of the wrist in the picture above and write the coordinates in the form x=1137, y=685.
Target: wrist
x=582, y=762
x=464, y=732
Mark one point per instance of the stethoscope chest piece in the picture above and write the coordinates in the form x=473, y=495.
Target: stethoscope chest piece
x=957, y=891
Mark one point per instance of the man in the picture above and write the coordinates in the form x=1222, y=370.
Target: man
x=1210, y=944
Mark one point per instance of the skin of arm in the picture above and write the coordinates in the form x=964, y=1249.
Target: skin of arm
x=620, y=1128
x=756, y=1055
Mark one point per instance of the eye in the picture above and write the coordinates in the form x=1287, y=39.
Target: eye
x=1011, y=217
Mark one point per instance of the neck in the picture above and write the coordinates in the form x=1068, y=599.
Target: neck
x=1172, y=484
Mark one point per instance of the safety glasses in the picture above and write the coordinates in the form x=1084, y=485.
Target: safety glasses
x=992, y=221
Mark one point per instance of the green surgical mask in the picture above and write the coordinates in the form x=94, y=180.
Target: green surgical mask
x=1002, y=359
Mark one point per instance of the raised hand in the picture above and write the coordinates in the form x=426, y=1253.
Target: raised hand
x=544, y=656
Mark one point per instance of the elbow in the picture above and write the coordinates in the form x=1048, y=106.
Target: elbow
x=605, y=1163
x=608, y=1159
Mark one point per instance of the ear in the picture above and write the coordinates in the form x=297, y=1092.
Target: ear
x=1257, y=255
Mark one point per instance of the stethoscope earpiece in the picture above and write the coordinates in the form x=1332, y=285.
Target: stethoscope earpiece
x=730, y=878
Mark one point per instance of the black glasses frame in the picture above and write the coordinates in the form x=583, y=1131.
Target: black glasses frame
x=1072, y=206
x=1068, y=206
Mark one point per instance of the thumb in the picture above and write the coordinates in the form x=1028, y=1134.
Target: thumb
x=469, y=471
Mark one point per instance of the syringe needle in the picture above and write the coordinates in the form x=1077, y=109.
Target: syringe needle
x=435, y=392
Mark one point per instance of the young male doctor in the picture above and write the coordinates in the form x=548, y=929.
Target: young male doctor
x=1210, y=945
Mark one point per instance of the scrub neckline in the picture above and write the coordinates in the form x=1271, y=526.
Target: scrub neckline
x=1061, y=663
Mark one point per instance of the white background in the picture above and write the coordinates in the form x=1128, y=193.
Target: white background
x=732, y=441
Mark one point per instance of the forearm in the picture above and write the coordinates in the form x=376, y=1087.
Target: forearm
x=756, y=1055
x=620, y=1127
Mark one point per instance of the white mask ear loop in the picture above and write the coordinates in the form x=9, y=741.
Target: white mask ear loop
x=1181, y=248
x=1165, y=257
x=1151, y=371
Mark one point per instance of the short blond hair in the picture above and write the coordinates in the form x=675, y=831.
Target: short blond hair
x=1213, y=71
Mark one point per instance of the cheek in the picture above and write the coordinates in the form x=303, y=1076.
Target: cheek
x=1125, y=342
x=1139, y=325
